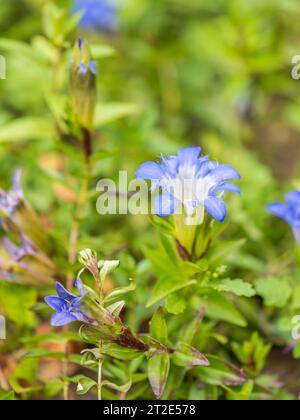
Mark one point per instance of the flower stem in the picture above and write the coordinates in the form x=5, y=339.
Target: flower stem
x=73, y=241
x=100, y=363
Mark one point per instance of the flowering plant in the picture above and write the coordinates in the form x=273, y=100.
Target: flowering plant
x=197, y=298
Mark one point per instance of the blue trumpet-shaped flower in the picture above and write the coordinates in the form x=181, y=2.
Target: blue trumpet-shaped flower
x=67, y=306
x=289, y=211
x=189, y=179
x=97, y=14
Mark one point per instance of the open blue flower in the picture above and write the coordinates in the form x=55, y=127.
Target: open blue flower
x=190, y=179
x=97, y=14
x=289, y=211
x=67, y=306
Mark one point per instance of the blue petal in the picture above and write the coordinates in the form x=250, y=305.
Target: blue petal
x=149, y=170
x=223, y=172
x=279, y=209
x=205, y=167
x=55, y=302
x=63, y=293
x=79, y=286
x=165, y=205
x=293, y=197
x=225, y=186
x=62, y=318
x=189, y=155
x=216, y=208
x=93, y=67
x=82, y=317
x=296, y=232
x=17, y=181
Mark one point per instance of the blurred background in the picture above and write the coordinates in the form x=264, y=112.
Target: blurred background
x=171, y=73
x=217, y=74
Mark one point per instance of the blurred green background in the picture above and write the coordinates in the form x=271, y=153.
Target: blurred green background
x=215, y=74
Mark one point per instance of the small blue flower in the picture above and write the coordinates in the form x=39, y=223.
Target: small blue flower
x=97, y=14
x=190, y=179
x=67, y=306
x=16, y=253
x=289, y=211
x=10, y=200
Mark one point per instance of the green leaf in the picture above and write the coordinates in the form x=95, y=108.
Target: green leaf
x=120, y=291
x=163, y=224
x=243, y=395
x=158, y=327
x=25, y=129
x=296, y=351
x=16, y=302
x=85, y=384
x=165, y=286
x=102, y=51
x=220, y=372
x=175, y=304
x=158, y=372
x=274, y=291
x=120, y=352
x=220, y=308
x=25, y=373
x=189, y=331
x=17, y=48
x=107, y=267
x=9, y=396
x=53, y=388
x=218, y=253
x=40, y=353
x=169, y=247
x=116, y=307
x=238, y=287
x=296, y=298
x=187, y=356
x=90, y=334
x=162, y=264
x=122, y=388
x=107, y=113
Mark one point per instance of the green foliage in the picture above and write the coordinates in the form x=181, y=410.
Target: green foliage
x=275, y=291
x=201, y=318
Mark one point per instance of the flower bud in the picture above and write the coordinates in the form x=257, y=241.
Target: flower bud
x=83, y=85
x=88, y=258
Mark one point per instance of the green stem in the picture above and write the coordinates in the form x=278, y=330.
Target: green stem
x=73, y=241
x=100, y=374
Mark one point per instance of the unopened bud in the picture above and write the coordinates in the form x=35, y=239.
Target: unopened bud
x=88, y=258
x=83, y=85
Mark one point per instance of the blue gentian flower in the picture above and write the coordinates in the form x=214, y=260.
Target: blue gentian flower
x=16, y=253
x=97, y=15
x=67, y=306
x=10, y=200
x=189, y=179
x=289, y=211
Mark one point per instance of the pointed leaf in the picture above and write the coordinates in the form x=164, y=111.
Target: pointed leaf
x=187, y=356
x=158, y=371
x=158, y=327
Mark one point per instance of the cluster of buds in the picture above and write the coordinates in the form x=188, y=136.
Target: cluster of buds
x=25, y=255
